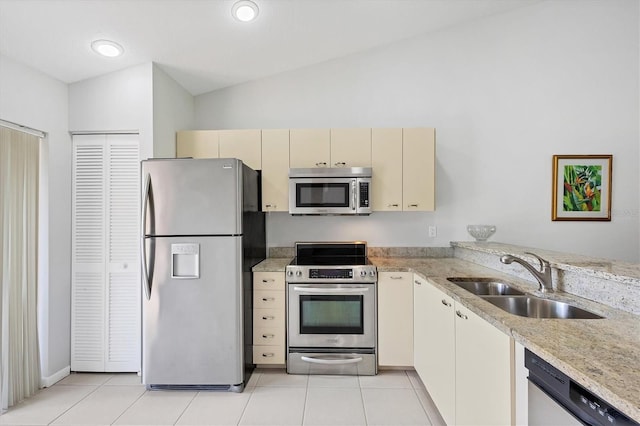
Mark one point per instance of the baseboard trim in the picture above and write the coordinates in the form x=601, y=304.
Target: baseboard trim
x=51, y=380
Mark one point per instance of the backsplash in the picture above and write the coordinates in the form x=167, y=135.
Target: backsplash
x=433, y=252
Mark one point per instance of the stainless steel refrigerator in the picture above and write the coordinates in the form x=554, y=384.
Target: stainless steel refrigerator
x=202, y=231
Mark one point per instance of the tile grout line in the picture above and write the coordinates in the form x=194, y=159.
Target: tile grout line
x=130, y=405
x=306, y=399
x=75, y=403
x=185, y=408
x=364, y=409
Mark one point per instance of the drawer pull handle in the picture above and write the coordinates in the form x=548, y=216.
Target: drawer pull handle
x=417, y=282
x=268, y=355
x=395, y=277
x=412, y=205
x=461, y=315
x=268, y=336
x=393, y=205
x=445, y=303
x=268, y=280
x=268, y=317
x=268, y=299
x=321, y=164
x=340, y=163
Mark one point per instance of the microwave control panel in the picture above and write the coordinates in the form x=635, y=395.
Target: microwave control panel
x=364, y=194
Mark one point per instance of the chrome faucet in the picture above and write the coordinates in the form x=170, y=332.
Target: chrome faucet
x=543, y=275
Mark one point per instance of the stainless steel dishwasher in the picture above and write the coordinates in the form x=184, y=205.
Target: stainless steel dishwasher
x=555, y=399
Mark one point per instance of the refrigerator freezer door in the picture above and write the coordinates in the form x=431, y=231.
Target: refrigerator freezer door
x=193, y=197
x=192, y=327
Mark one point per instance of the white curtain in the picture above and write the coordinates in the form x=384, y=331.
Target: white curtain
x=19, y=357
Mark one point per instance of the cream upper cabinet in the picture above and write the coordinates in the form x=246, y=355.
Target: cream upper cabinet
x=395, y=319
x=435, y=346
x=309, y=148
x=242, y=144
x=350, y=147
x=418, y=169
x=275, y=170
x=386, y=162
x=197, y=144
x=484, y=362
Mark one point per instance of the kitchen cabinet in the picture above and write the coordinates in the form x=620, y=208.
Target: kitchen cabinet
x=309, y=148
x=464, y=362
x=105, y=262
x=435, y=345
x=483, y=371
x=268, y=318
x=197, y=144
x=386, y=162
x=275, y=170
x=350, y=148
x=395, y=319
x=245, y=145
x=418, y=169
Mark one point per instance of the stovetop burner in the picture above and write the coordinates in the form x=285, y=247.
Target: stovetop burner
x=334, y=262
x=330, y=260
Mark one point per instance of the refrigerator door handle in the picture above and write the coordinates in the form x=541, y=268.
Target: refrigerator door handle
x=146, y=284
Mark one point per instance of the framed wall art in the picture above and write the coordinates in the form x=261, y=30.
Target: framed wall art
x=582, y=187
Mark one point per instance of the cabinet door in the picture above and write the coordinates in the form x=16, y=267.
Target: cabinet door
x=395, y=319
x=386, y=161
x=418, y=169
x=275, y=170
x=483, y=371
x=197, y=144
x=242, y=144
x=350, y=147
x=309, y=148
x=435, y=347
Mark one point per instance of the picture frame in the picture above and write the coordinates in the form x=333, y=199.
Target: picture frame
x=581, y=187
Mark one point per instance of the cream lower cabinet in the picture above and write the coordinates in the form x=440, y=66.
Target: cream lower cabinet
x=395, y=319
x=268, y=318
x=464, y=362
x=434, y=343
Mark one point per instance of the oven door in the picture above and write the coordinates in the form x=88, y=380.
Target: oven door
x=331, y=315
x=323, y=196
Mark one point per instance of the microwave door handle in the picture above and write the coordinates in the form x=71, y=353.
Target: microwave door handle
x=355, y=194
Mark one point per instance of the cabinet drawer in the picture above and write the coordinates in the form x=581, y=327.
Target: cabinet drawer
x=268, y=281
x=268, y=318
x=269, y=336
x=266, y=299
x=268, y=354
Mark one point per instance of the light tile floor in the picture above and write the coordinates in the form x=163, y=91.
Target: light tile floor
x=272, y=397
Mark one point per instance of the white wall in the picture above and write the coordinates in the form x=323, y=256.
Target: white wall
x=32, y=99
x=114, y=102
x=173, y=109
x=505, y=94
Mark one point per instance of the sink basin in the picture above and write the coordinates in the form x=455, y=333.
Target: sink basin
x=535, y=307
x=485, y=286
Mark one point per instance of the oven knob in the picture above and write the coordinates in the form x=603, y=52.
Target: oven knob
x=298, y=273
x=372, y=273
x=290, y=273
x=363, y=273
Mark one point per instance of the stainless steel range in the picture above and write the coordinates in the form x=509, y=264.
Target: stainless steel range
x=331, y=310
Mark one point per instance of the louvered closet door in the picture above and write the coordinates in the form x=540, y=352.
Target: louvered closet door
x=105, y=330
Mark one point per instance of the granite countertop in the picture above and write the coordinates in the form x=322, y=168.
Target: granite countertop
x=602, y=355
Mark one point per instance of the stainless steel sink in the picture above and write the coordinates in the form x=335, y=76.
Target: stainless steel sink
x=535, y=307
x=485, y=286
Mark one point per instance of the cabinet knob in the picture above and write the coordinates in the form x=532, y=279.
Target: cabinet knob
x=321, y=164
x=445, y=303
x=268, y=299
x=271, y=206
x=393, y=205
x=340, y=164
x=268, y=355
x=268, y=336
x=412, y=205
x=461, y=315
x=417, y=282
x=268, y=317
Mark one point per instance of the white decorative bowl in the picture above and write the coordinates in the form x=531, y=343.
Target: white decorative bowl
x=481, y=232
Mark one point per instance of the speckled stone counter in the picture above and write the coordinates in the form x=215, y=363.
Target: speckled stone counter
x=603, y=355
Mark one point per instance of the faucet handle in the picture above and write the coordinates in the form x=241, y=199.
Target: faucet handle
x=543, y=263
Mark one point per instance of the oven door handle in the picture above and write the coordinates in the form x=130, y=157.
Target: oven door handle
x=334, y=361
x=331, y=290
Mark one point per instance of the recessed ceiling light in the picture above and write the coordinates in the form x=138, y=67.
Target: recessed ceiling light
x=245, y=10
x=107, y=48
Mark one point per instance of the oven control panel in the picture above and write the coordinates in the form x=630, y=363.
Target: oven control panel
x=309, y=274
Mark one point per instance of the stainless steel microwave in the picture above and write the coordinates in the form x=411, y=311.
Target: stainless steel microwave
x=330, y=191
